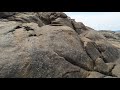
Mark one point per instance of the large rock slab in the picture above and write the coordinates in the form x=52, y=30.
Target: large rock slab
x=78, y=26
x=53, y=52
x=109, y=52
x=65, y=41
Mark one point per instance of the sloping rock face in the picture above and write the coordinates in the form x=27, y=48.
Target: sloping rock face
x=52, y=45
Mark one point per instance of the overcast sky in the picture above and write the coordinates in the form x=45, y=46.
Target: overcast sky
x=98, y=20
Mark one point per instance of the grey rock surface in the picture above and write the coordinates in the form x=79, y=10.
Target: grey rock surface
x=52, y=45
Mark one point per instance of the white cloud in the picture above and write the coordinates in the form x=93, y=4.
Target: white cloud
x=98, y=20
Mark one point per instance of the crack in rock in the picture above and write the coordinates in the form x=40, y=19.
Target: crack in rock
x=112, y=68
x=71, y=72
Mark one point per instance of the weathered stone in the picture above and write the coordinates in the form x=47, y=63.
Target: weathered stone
x=52, y=45
x=92, y=51
x=94, y=35
x=6, y=14
x=61, y=14
x=27, y=18
x=6, y=27
x=56, y=15
x=109, y=52
x=31, y=26
x=110, y=66
x=117, y=34
x=101, y=66
x=112, y=37
x=36, y=64
x=76, y=74
x=55, y=52
x=109, y=34
x=78, y=26
x=45, y=17
x=116, y=70
x=28, y=59
x=64, y=21
x=65, y=41
x=96, y=75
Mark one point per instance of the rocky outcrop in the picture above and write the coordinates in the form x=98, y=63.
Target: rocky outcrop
x=79, y=27
x=112, y=37
x=52, y=45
